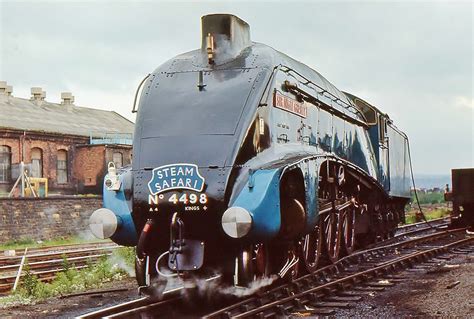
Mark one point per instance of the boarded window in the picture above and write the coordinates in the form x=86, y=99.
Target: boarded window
x=36, y=162
x=5, y=164
x=118, y=159
x=61, y=167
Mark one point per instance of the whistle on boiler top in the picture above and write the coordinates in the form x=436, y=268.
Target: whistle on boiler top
x=210, y=48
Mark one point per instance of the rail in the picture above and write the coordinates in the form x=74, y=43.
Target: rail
x=350, y=271
x=46, y=264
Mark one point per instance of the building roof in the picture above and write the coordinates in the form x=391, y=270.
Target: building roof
x=42, y=116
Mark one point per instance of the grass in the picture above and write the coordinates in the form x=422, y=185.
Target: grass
x=31, y=290
x=30, y=243
x=429, y=198
x=433, y=206
x=430, y=214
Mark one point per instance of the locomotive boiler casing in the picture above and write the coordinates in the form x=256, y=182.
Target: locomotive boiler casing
x=226, y=134
x=234, y=132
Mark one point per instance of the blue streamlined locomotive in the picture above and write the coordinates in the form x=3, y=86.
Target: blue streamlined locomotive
x=252, y=164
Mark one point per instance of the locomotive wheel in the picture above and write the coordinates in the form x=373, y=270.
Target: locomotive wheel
x=312, y=246
x=293, y=217
x=348, y=227
x=260, y=261
x=333, y=234
x=253, y=264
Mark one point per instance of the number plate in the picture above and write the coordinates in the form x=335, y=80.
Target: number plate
x=189, y=201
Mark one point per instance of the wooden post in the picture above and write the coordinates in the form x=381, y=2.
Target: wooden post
x=20, y=270
x=29, y=185
x=22, y=169
x=14, y=186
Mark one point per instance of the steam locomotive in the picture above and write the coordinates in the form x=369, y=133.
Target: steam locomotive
x=251, y=164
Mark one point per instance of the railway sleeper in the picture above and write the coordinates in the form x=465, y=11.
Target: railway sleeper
x=342, y=298
x=332, y=304
x=316, y=311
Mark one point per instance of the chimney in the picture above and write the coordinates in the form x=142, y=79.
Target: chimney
x=3, y=87
x=224, y=37
x=5, y=90
x=67, y=98
x=37, y=94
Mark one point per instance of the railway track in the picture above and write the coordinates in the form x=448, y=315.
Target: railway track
x=137, y=307
x=18, y=253
x=341, y=283
x=46, y=262
x=336, y=286
x=414, y=228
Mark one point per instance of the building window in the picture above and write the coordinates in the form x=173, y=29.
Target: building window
x=118, y=159
x=61, y=167
x=36, y=162
x=5, y=163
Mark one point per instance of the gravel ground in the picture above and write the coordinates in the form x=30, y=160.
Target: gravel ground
x=74, y=306
x=421, y=295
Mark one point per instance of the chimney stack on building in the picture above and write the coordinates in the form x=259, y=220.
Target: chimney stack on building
x=5, y=89
x=37, y=94
x=67, y=98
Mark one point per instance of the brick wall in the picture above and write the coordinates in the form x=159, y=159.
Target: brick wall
x=126, y=152
x=90, y=165
x=86, y=164
x=41, y=219
x=49, y=144
x=89, y=168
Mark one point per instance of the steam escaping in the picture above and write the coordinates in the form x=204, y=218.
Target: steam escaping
x=86, y=235
x=225, y=35
x=119, y=262
x=160, y=285
x=206, y=288
x=247, y=291
x=224, y=51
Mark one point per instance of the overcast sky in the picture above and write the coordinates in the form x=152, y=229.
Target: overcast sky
x=414, y=60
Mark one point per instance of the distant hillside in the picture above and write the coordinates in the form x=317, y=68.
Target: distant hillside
x=431, y=181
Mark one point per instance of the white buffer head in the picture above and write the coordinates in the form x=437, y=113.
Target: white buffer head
x=103, y=223
x=236, y=222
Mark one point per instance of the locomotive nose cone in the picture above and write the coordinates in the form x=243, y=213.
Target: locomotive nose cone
x=103, y=223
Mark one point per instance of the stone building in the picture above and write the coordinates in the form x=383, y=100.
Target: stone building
x=67, y=144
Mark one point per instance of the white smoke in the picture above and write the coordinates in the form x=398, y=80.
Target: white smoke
x=119, y=262
x=247, y=291
x=86, y=235
x=209, y=289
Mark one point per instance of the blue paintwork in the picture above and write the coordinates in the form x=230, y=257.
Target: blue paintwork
x=310, y=173
x=125, y=234
x=223, y=134
x=262, y=200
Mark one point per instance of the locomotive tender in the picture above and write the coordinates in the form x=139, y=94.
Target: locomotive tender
x=462, y=196
x=250, y=163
